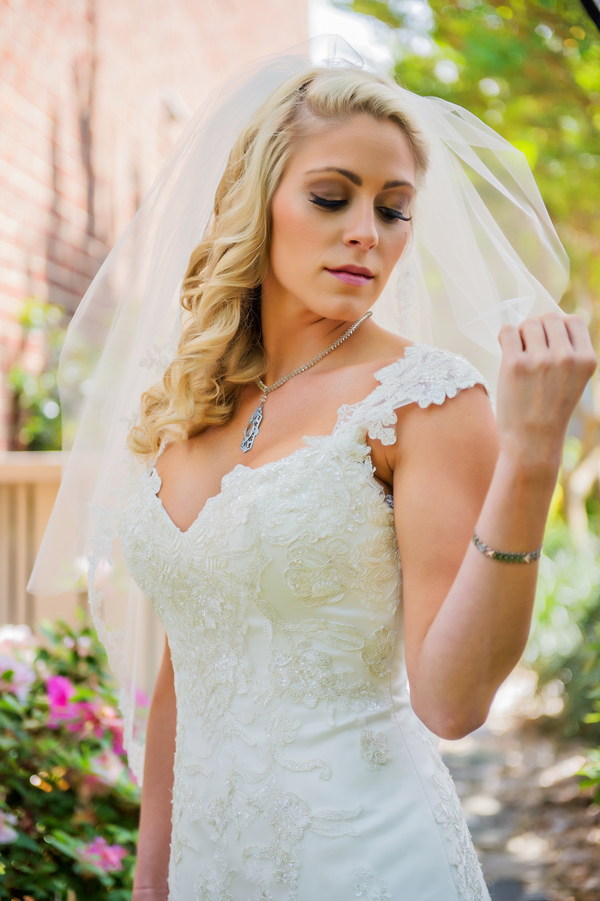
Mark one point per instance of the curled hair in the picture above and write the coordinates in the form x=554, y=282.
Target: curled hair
x=221, y=348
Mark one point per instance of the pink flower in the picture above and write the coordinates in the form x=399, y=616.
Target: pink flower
x=102, y=855
x=60, y=691
x=21, y=680
x=112, y=722
x=88, y=719
x=117, y=734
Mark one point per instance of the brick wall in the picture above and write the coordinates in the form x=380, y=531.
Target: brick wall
x=93, y=94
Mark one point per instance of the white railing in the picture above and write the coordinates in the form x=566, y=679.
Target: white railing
x=29, y=483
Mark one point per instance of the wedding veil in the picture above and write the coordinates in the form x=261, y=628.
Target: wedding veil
x=483, y=252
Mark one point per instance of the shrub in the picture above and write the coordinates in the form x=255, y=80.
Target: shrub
x=564, y=643
x=69, y=807
x=36, y=402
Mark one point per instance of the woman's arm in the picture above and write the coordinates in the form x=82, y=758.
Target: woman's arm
x=467, y=617
x=151, y=871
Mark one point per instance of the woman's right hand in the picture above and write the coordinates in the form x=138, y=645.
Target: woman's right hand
x=546, y=364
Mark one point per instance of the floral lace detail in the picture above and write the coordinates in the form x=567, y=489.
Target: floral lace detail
x=449, y=814
x=378, y=651
x=280, y=604
x=290, y=817
x=322, y=573
x=425, y=375
x=370, y=885
x=373, y=748
x=214, y=881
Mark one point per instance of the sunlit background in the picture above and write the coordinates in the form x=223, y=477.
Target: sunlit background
x=93, y=96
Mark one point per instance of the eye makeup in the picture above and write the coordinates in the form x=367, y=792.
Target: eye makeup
x=388, y=214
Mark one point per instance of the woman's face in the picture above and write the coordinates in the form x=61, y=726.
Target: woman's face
x=340, y=218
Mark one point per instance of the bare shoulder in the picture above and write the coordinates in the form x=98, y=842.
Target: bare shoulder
x=455, y=436
x=173, y=457
x=464, y=417
x=383, y=347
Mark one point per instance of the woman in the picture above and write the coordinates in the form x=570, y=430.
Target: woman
x=279, y=612
x=297, y=452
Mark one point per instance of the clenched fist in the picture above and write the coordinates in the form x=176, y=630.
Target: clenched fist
x=546, y=364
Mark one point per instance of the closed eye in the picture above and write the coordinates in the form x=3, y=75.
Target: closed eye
x=327, y=204
x=387, y=213
x=392, y=215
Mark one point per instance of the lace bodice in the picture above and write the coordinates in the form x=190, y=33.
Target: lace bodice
x=301, y=771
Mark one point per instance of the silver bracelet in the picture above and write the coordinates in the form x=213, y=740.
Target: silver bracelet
x=505, y=556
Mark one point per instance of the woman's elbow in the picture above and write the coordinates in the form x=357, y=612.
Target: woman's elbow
x=452, y=725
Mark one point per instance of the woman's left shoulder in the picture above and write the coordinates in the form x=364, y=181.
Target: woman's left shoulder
x=427, y=375
x=453, y=436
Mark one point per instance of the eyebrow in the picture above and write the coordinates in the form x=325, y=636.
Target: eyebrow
x=357, y=180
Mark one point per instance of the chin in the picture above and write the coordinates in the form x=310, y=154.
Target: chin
x=345, y=307
x=350, y=310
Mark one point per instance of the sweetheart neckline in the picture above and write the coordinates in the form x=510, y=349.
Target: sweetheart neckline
x=384, y=496
x=344, y=407
x=222, y=486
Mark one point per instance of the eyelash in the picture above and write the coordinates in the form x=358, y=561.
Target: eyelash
x=388, y=214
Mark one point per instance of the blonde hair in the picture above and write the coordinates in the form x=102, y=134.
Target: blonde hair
x=221, y=349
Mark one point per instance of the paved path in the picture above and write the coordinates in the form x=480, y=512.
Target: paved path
x=537, y=836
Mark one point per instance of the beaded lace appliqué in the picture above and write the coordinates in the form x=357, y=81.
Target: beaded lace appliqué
x=369, y=885
x=425, y=375
x=316, y=528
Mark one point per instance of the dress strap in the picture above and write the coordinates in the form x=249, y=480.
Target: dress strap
x=424, y=375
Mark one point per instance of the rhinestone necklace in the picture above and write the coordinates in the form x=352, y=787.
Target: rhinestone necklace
x=251, y=430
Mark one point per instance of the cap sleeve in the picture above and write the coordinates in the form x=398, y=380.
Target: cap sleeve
x=425, y=375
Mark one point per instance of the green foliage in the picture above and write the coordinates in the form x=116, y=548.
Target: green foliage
x=591, y=774
x=38, y=421
x=564, y=643
x=579, y=671
x=568, y=594
x=68, y=807
x=531, y=70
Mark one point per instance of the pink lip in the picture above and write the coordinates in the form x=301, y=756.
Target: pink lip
x=352, y=275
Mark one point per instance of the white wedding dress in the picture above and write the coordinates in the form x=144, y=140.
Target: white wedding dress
x=301, y=771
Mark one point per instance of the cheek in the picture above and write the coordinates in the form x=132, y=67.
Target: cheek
x=296, y=236
x=392, y=248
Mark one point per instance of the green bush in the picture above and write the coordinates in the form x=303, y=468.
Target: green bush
x=591, y=773
x=69, y=808
x=36, y=400
x=567, y=600
x=564, y=644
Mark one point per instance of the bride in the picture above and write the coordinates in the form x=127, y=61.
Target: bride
x=331, y=512
x=311, y=216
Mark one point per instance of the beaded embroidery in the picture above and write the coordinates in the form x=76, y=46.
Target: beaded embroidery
x=280, y=603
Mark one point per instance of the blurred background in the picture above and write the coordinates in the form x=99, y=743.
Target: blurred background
x=93, y=96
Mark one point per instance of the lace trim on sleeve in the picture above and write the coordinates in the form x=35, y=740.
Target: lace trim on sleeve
x=424, y=375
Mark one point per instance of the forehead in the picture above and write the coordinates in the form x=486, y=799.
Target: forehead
x=361, y=141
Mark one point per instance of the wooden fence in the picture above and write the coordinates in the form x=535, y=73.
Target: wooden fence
x=29, y=483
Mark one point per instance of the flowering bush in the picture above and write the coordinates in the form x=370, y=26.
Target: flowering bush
x=69, y=807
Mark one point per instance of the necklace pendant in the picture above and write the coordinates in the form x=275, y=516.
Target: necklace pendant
x=251, y=430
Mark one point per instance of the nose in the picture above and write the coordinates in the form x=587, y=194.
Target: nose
x=361, y=227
